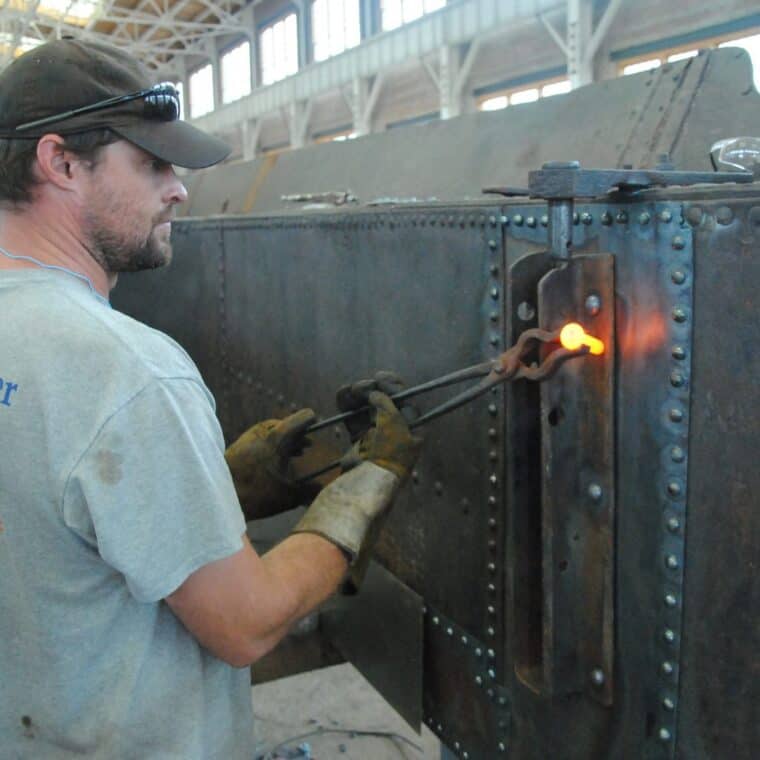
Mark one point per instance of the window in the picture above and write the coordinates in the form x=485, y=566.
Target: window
x=278, y=46
x=335, y=27
x=637, y=68
x=394, y=13
x=515, y=96
x=236, y=72
x=201, y=91
x=682, y=56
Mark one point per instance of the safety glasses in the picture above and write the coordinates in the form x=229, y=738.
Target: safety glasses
x=160, y=102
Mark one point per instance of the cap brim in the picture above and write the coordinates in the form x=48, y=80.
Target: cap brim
x=176, y=142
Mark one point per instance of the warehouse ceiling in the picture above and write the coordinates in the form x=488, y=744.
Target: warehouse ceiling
x=156, y=31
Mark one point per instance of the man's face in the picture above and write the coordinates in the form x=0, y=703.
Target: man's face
x=128, y=209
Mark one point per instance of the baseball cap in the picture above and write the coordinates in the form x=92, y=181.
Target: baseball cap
x=68, y=74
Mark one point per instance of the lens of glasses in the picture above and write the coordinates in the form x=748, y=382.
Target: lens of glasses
x=162, y=103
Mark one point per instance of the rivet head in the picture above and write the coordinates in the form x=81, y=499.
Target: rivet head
x=495, y=294
x=724, y=215
x=576, y=217
x=597, y=677
x=491, y=673
x=531, y=221
x=606, y=219
x=491, y=654
x=675, y=414
x=494, y=269
x=492, y=501
x=679, y=314
x=494, y=340
x=595, y=491
x=670, y=600
x=492, y=221
x=436, y=620
x=586, y=218
x=664, y=735
x=666, y=216
x=492, y=409
x=677, y=379
x=492, y=433
x=593, y=305
x=449, y=631
x=490, y=632
x=518, y=220
x=505, y=221
x=491, y=567
x=667, y=668
x=456, y=745
x=479, y=680
x=492, y=245
x=644, y=217
x=678, y=243
x=544, y=220
x=673, y=524
x=678, y=276
x=494, y=316
x=694, y=215
x=492, y=522
x=491, y=588
x=674, y=488
x=678, y=352
x=669, y=635
x=493, y=480
x=621, y=217
x=478, y=652
x=465, y=755
x=668, y=704
x=671, y=562
x=491, y=610
x=502, y=747
x=677, y=454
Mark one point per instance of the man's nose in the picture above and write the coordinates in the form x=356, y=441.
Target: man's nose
x=176, y=191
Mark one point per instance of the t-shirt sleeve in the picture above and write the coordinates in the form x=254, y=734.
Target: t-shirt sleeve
x=153, y=492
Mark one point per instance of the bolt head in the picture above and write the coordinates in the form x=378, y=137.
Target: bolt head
x=595, y=491
x=664, y=735
x=679, y=353
x=479, y=680
x=586, y=218
x=621, y=217
x=674, y=488
x=677, y=379
x=531, y=221
x=678, y=243
x=674, y=524
x=679, y=314
x=544, y=220
x=667, y=668
x=668, y=704
x=671, y=562
x=677, y=454
x=678, y=276
x=666, y=216
x=478, y=652
x=670, y=600
x=597, y=677
x=450, y=631
x=436, y=620
x=491, y=654
x=502, y=747
x=675, y=414
x=606, y=219
x=492, y=245
x=644, y=217
x=669, y=635
x=593, y=305
x=518, y=220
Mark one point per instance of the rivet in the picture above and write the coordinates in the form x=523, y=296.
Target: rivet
x=673, y=524
x=677, y=379
x=667, y=668
x=494, y=340
x=518, y=220
x=694, y=215
x=450, y=631
x=490, y=632
x=670, y=600
x=622, y=217
x=495, y=294
x=493, y=455
x=493, y=269
x=494, y=316
x=678, y=243
x=576, y=217
x=724, y=215
x=597, y=677
x=664, y=735
x=492, y=245
x=492, y=501
x=606, y=219
x=586, y=218
x=593, y=305
x=502, y=747
x=479, y=680
x=415, y=476
x=666, y=216
x=436, y=620
x=491, y=610
x=644, y=217
x=493, y=410
x=456, y=745
x=669, y=635
x=440, y=728
x=677, y=454
x=491, y=544
x=676, y=415
x=492, y=433
x=491, y=673
x=544, y=220
x=595, y=491
x=492, y=522
x=674, y=488
x=492, y=221
x=505, y=221
x=491, y=654
x=493, y=480
x=531, y=221
x=490, y=693
x=678, y=276
x=465, y=755
x=491, y=567
x=464, y=640
x=438, y=486
x=678, y=352
x=668, y=704
x=491, y=588
x=502, y=702
x=671, y=562
x=478, y=652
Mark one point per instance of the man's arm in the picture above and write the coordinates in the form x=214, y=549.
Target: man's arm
x=241, y=606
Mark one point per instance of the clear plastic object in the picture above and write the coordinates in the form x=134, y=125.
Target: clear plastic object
x=736, y=154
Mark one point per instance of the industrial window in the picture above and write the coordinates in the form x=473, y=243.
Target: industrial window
x=236, y=72
x=516, y=96
x=72, y=11
x=278, y=49
x=394, y=13
x=201, y=91
x=335, y=27
x=751, y=43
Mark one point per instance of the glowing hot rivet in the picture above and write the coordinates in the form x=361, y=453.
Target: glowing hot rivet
x=573, y=337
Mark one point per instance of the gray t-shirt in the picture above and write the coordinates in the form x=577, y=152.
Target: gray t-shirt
x=113, y=489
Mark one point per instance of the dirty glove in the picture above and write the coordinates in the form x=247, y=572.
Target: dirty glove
x=356, y=396
x=348, y=509
x=260, y=463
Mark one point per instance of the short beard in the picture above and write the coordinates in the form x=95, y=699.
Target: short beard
x=116, y=254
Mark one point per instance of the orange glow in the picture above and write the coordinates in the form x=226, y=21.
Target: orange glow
x=573, y=336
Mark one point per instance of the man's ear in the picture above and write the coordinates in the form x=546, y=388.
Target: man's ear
x=57, y=165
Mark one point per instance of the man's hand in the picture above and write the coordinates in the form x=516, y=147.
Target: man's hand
x=349, y=512
x=261, y=468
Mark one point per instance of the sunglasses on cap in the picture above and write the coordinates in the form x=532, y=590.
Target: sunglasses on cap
x=160, y=102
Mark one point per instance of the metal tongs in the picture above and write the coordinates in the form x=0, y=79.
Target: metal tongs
x=507, y=367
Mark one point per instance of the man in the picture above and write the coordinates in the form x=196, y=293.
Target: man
x=130, y=599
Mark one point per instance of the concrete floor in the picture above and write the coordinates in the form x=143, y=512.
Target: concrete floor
x=330, y=704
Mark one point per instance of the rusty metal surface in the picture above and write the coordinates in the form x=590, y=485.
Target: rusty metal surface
x=380, y=632
x=287, y=308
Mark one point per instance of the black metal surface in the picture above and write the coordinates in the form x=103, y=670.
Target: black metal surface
x=288, y=308
x=380, y=631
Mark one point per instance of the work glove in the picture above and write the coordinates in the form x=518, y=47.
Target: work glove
x=262, y=469
x=350, y=398
x=349, y=511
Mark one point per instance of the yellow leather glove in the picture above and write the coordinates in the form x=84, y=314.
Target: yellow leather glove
x=262, y=470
